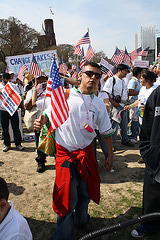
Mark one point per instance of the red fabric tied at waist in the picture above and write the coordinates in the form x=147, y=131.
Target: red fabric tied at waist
x=88, y=170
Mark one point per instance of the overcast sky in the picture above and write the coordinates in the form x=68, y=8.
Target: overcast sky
x=111, y=22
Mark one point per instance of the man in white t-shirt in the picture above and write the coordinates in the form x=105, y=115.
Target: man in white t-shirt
x=77, y=178
x=118, y=95
x=12, y=224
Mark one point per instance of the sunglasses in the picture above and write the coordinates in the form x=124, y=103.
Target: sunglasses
x=91, y=73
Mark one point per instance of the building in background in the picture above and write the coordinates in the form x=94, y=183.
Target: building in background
x=148, y=40
x=47, y=35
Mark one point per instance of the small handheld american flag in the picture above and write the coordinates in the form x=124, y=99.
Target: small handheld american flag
x=59, y=105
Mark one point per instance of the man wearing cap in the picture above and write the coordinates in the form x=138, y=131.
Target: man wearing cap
x=117, y=91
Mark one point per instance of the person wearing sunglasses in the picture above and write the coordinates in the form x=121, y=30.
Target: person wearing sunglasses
x=77, y=177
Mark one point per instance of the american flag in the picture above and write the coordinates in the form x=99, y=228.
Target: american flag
x=84, y=40
x=144, y=52
x=59, y=105
x=117, y=57
x=135, y=53
x=21, y=71
x=74, y=75
x=78, y=50
x=34, y=68
x=89, y=53
x=83, y=60
x=105, y=66
x=74, y=67
x=63, y=68
x=127, y=58
x=112, y=71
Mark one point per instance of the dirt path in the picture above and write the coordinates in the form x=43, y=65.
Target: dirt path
x=31, y=192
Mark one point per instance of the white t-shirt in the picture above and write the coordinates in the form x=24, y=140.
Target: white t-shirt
x=14, y=226
x=120, y=88
x=39, y=104
x=143, y=95
x=71, y=134
x=103, y=95
x=157, y=83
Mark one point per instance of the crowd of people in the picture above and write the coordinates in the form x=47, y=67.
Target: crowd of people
x=127, y=101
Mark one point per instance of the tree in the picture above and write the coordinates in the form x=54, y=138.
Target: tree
x=98, y=55
x=65, y=52
x=16, y=38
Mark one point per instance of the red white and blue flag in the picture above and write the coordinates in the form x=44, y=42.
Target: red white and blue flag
x=105, y=66
x=21, y=71
x=127, y=58
x=112, y=71
x=117, y=57
x=78, y=50
x=59, y=105
x=83, y=60
x=84, y=40
x=74, y=75
x=10, y=98
x=63, y=68
x=144, y=52
x=135, y=53
x=34, y=67
x=89, y=53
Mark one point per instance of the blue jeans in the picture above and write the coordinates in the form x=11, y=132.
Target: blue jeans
x=134, y=129
x=123, y=127
x=78, y=213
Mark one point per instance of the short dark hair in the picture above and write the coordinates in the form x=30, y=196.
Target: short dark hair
x=4, y=192
x=92, y=64
x=122, y=66
x=136, y=71
x=148, y=76
x=6, y=76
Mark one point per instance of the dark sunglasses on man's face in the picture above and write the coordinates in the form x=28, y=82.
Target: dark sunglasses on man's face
x=91, y=73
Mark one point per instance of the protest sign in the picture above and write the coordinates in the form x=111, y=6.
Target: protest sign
x=141, y=63
x=43, y=59
x=10, y=99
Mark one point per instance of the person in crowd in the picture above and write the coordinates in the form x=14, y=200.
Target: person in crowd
x=150, y=152
x=12, y=224
x=37, y=93
x=157, y=82
x=20, y=86
x=77, y=178
x=133, y=91
x=128, y=77
x=12, y=77
x=6, y=117
x=118, y=95
x=147, y=80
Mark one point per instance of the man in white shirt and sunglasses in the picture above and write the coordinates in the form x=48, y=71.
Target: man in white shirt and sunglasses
x=77, y=178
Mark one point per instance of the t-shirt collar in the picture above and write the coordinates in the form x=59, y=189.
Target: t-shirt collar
x=75, y=88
